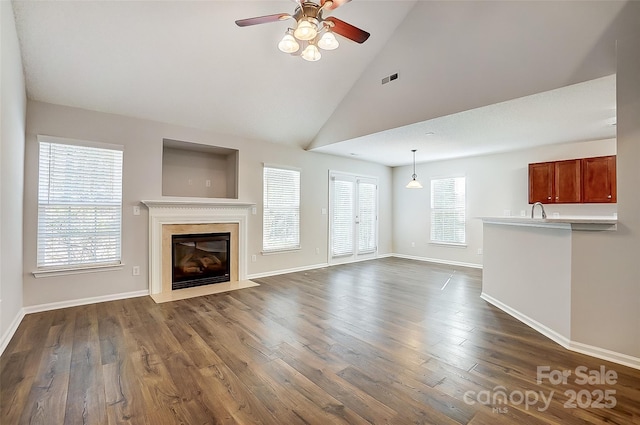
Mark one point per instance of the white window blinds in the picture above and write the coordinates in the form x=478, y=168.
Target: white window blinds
x=281, y=217
x=448, y=210
x=343, y=218
x=79, y=206
x=367, y=214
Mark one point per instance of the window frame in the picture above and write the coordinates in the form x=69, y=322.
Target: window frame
x=78, y=267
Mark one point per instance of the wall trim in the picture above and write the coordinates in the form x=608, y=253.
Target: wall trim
x=438, y=261
x=4, y=341
x=604, y=354
x=285, y=271
x=312, y=267
x=84, y=301
x=589, y=350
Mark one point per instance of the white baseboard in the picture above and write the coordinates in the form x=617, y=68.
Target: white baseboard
x=589, y=350
x=389, y=255
x=604, y=354
x=438, y=261
x=311, y=267
x=11, y=330
x=84, y=301
x=544, y=330
x=285, y=271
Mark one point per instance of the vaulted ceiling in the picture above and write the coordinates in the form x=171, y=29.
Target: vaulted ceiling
x=187, y=63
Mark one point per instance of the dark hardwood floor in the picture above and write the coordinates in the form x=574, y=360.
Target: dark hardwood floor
x=384, y=341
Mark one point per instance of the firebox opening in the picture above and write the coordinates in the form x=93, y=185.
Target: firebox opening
x=200, y=259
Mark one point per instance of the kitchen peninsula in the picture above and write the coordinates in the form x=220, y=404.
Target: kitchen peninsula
x=529, y=266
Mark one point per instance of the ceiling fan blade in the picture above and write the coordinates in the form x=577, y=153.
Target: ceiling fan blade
x=262, y=19
x=334, y=3
x=348, y=30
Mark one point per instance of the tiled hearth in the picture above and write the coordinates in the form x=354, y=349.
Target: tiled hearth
x=171, y=217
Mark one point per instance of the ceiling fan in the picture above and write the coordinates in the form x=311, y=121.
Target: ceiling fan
x=312, y=30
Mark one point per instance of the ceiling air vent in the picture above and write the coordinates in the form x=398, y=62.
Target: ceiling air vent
x=390, y=78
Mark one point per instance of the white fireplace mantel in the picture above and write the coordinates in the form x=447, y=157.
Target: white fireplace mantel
x=193, y=211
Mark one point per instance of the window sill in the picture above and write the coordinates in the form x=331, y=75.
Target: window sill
x=76, y=270
x=449, y=244
x=281, y=251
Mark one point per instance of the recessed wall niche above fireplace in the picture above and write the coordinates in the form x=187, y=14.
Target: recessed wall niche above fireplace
x=200, y=259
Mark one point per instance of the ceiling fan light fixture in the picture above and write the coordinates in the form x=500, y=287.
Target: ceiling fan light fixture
x=307, y=29
x=311, y=53
x=328, y=41
x=288, y=44
x=414, y=183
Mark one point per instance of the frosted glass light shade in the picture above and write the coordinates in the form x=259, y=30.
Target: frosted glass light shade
x=288, y=44
x=414, y=184
x=328, y=42
x=311, y=53
x=306, y=30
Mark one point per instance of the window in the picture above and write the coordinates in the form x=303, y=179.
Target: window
x=79, y=205
x=448, y=210
x=281, y=217
x=343, y=217
x=353, y=219
x=367, y=216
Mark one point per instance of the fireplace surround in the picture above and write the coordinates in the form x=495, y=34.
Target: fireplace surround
x=195, y=217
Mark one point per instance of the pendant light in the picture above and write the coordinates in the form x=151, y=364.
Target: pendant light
x=414, y=184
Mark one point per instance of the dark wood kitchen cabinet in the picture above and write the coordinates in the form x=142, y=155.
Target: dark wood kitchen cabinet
x=599, y=179
x=584, y=180
x=567, y=182
x=541, y=182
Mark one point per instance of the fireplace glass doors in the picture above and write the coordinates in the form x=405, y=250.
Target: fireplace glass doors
x=200, y=259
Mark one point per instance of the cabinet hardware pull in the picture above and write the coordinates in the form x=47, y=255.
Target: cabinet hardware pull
x=549, y=197
x=609, y=197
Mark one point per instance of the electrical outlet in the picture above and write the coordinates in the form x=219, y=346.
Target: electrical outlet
x=479, y=251
x=135, y=270
x=254, y=258
x=254, y=210
x=523, y=213
x=323, y=211
x=207, y=183
x=506, y=213
x=136, y=210
x=317, y=251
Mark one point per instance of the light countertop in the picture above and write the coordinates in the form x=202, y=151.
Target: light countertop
x=562, y=222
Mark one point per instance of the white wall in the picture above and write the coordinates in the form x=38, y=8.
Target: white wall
x=495, y=183
x=12, y=125
x=606, y=273
x=142, y=178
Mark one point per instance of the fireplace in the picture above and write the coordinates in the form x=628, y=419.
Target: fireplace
x=196, y=218
x=200, y=259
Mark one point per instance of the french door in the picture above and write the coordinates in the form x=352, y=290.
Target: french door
x=353, y=217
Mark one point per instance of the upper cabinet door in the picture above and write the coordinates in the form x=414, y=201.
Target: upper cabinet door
x=599, y=179
x=541, y=182
x=567, y=182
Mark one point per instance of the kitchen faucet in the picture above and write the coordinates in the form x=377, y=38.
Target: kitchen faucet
x=544, y=214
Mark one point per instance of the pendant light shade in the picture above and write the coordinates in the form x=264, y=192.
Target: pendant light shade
x=288, y=44
x=413, y=183
x=328, y=41
x=311, y=53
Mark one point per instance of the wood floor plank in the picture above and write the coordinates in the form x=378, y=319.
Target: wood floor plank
x=380, y=342
x=85, y=398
